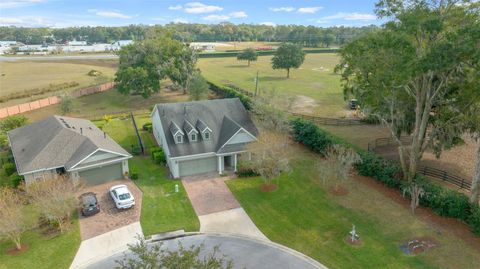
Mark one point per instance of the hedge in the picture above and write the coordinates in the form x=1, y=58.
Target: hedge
x=147, y=127
x=9, y=168
x=15, y=179
x=444, y=202
x=228, y=92
x=259, y=53
x=159, y=157
x=134, y=175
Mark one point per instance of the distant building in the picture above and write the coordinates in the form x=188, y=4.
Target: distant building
x=117, y=45
x=207, y=47
x=7, y=43
x=77, y=43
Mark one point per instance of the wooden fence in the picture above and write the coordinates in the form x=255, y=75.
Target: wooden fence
x=25, y=107
x=327, y=121
x=442, y=175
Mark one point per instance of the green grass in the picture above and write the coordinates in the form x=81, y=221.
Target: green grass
x=315, y=79
x=162, y=209
x=303, y=216
x=42, y=74
x=45, y=251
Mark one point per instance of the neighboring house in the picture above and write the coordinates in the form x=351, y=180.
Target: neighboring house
x=63, y=145
x=203, y=136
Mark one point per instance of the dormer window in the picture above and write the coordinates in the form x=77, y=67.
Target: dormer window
x=206, y=135
x=193, y=137
x=179, y=139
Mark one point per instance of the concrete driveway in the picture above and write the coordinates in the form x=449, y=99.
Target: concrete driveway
x=105, y=245
x=110, y=218
x=216, y=207
x=245, y=252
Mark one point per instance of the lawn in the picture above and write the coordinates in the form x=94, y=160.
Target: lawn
x=97, y=105
x=42, y=74
x=45, y=251
x=162, y=209
x=315, y=81
x=303, y=216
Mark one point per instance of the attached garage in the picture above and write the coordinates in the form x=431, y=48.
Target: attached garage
x=197, y=166
x=102, y=174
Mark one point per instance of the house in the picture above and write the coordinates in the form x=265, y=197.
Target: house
x=202, y=136
x=206, y=47
x=62, y=145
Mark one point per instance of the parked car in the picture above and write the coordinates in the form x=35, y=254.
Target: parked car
x=89, y=204
x=122, y=197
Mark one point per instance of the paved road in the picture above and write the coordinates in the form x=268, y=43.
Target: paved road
x=245, y=252
x=57, y=58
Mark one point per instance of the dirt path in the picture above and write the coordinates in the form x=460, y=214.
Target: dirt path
x=304, y=104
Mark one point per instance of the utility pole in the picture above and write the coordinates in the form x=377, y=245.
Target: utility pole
x=256, y=84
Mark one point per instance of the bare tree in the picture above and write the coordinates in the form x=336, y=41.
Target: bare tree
x=56, y=199
x=416, y=192
x=12, y=220
x=269, y=110
x=269, y=156
x=153, y=256
x=338, y=165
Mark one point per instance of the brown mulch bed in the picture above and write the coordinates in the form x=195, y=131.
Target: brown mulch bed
x=357, y=242
x=14, y=251
x=340, y=191
x=268, y=187
x=454, y=226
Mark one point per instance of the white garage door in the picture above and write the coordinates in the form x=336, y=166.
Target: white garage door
x=198, y=166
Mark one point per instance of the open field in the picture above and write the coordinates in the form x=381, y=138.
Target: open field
x=316, y=85
x=303, y=215
x=26, y=77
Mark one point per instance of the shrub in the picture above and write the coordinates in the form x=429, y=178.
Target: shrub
x=452, y=204
x=134, y=175
x=379, y=168
x=154, y=150
x=136, y=150
x=15, y=179
x=9, y=168
x=243, y=171
x=159, y=157
x=474, y=220
x=311, y=136
x=147, y=127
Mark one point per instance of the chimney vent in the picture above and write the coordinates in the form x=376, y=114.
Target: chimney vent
x=81, y=130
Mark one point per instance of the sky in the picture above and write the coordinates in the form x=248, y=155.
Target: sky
x=65, y=13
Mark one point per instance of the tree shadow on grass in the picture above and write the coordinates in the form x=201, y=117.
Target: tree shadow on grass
x=236, y=66
x=271, y=78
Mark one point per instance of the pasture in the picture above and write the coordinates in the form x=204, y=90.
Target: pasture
x=315, y=84
x=20, y=79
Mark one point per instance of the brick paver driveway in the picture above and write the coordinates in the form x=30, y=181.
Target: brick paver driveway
x=209, y=194
x=110, y=218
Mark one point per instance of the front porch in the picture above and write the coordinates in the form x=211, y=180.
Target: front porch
x=227, y=163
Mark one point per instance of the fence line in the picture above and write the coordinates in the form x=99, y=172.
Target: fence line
x=442, y=175
x=316, y=119
x=52, y=100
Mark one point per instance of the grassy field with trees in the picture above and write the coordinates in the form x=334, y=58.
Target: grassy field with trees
x=315, y=81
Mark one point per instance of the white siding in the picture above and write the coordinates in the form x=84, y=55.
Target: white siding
x=159, y=135
x=100, y=155
x=240, y=137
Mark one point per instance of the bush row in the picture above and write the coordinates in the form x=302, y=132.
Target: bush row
x=158, y=156
x=228, y=92
x=444, y=202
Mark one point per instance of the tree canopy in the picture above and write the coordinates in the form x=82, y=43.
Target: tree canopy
x=288, y=56
x=248, y=55
x=412, y=74
x=144, y=64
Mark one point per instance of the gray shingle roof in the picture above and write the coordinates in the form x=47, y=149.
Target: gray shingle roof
x=188, y=127
x=223, y=116
x=58, y=142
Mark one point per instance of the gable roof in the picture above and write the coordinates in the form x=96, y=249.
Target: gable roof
x=224, y=117
x=58, y=142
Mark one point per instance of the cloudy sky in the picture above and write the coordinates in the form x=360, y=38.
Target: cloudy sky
x=63, y=13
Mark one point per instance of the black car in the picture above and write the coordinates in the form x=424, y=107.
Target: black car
x=89, y=204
